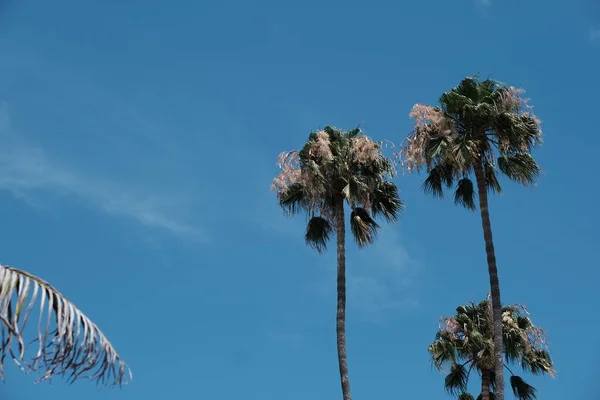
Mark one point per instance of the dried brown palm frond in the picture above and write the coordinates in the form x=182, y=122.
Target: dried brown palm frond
x=69, y=344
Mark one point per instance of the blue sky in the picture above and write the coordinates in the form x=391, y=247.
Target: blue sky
x=137, y=145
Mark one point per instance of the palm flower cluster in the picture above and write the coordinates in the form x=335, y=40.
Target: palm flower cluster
x=464, y=342
x=336, y=166
x=478, y=125
x=68, y=342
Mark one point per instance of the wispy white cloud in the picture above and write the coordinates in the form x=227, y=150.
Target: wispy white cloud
x=484, y=3
x=29, y=172
x=379, y=278
x=595, y=34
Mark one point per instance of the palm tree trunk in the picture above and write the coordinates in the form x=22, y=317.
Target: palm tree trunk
x=341, y=297
x=494, y=283
x=485, y=384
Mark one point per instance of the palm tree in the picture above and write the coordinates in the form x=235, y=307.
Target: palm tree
x=333, y=168
x=479, y=128
x=465, y=342
x=68, y=343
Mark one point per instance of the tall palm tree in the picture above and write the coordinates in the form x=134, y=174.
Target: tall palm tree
x=464, y=342
x=333, y=168
x=479, y=128
x=68, y=342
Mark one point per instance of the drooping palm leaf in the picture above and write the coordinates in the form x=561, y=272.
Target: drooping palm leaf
x=442, y=352
x=363, y=227
x=439, y=177
x=465, y=194
x=491, y=179
x=386, y=201
x=75, y=348
x=520, y=167
x=293, y=199
x=318, y=232
x=538, y=361
x=456, y=380
x=522, y=389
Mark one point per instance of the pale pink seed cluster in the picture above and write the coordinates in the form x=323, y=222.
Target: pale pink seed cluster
x=365, y=151
x=321, y=147
x=290, y=173
x=428, y=120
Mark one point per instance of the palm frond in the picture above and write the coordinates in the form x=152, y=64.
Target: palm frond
x=465, y=396
x=386, y=201
x=293, y=199
x=363, y=227
x=437, y=146
x=440, y=176
x=522, y=389
x=456, y=380
x=520, y=167
x=75, y=346
x=442, y=352
x=538, y=361
x=465, y=194
x=517, y=132
x=318, y=232
x=490, y=178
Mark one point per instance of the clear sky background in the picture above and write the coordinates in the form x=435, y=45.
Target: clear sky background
x=138, y=140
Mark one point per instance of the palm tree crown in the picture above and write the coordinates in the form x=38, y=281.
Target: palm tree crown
x=464, y=342
x=68, y=342
x=333, y=164
x=477, y=123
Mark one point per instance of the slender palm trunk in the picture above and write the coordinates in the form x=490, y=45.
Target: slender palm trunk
x=341, y=297
x=494, y=283
x=485, y=384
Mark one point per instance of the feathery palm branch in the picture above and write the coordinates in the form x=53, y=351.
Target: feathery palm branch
x=74, y=348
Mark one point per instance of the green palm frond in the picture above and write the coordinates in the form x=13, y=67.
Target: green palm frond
x=518, y=132
x=490, y=178
x=74, y=348
x=522, y=389
x=520, y=167
x=524, y=322
x=538, y=361
x=513, y=345
x=437, y=146
x=465, y=194
x=440, y=176
x=363, y=227
x=318, y=232
x=387, y=202
x=442, y=352
x=293, y=199
x=456, y=380
x=465, y=396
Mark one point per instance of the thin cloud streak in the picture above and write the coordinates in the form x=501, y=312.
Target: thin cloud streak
x=26, y=171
